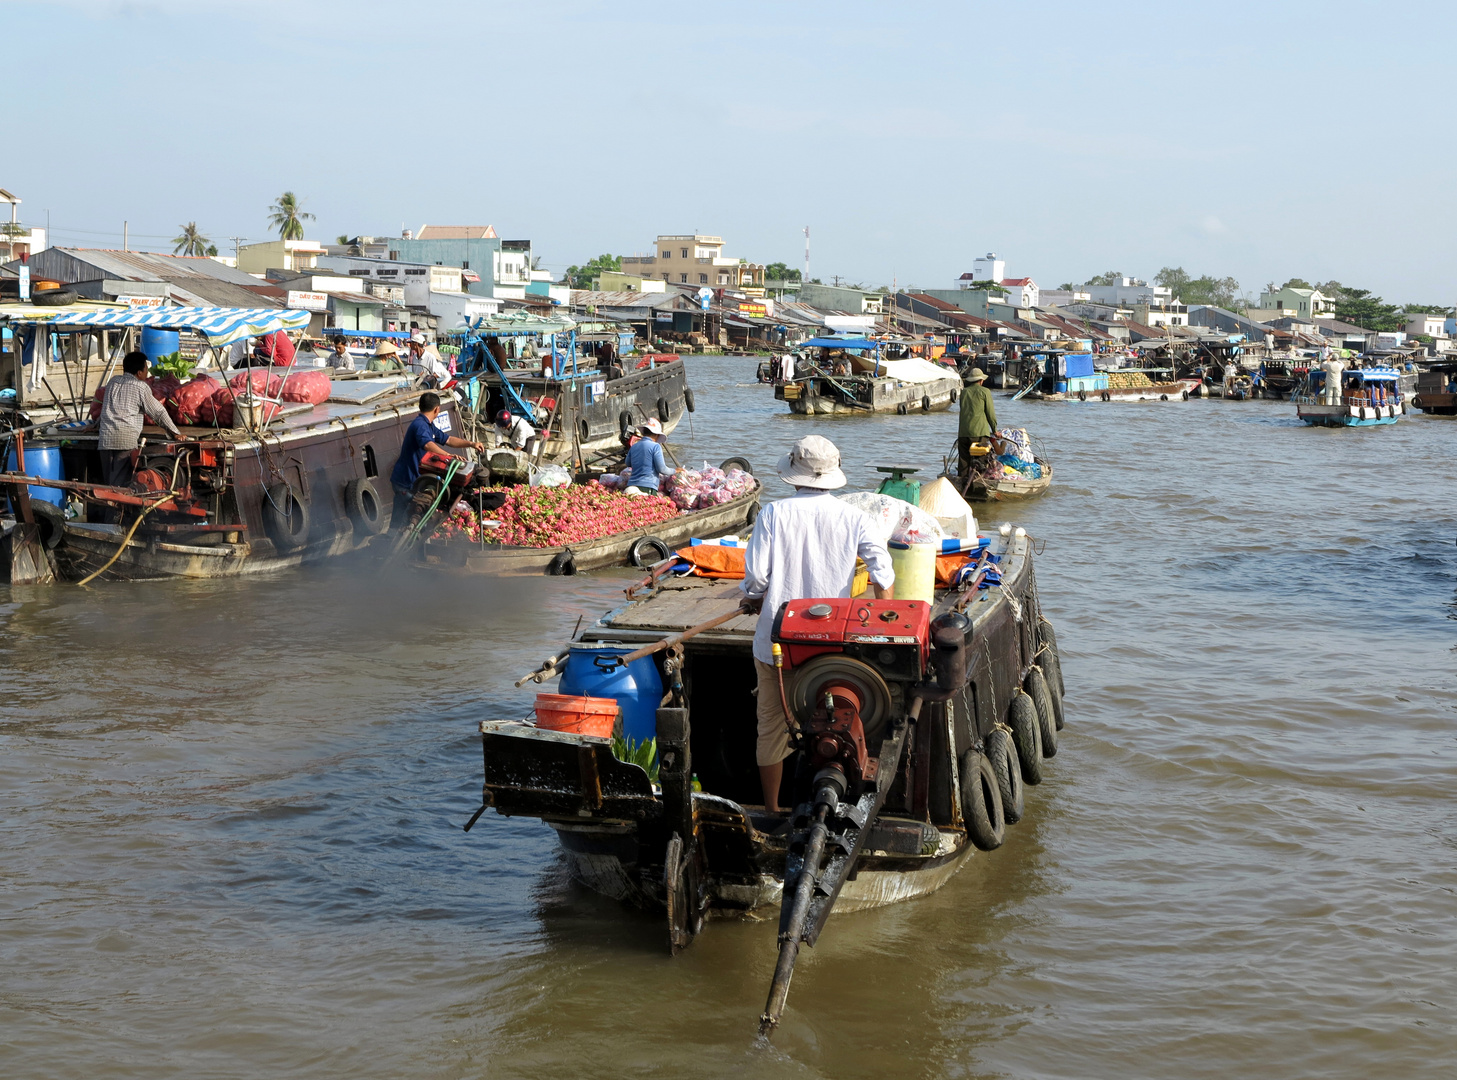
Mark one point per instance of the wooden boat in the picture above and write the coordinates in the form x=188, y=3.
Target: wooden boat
x=1004, y=488
x=309, y=484
x=1434, y=395
x=1368, y=398
x=903, y=710
x=620, y=549
x=589, y=403
x=867, y=382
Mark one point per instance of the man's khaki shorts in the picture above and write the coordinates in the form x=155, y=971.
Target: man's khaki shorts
x=773, y=745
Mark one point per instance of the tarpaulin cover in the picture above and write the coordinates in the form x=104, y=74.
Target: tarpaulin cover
x=220, y=325
x=839, y=343
x=1079, y=364
x=713, y=561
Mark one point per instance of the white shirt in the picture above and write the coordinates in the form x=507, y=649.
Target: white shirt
x=517, y=434
x=431, y=364
x=804, y=548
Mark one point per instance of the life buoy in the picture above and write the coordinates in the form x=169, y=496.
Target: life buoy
x=638, y=554
x=925, y=402
x=663, y=411
x=361, y=499
x=286, y=516
x=688, y=399
x=981, y=802
x=1036, y=686
x=1003, y=756
x=1022, y=719
x=737, y=463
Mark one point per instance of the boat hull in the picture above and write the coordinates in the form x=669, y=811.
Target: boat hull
x=1005, y=489
x=1349, y=415
x=1436, y=404
x=1178, y=390
x=462, y=556
x=818, y=396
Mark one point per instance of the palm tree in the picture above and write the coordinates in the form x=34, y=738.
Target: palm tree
x=287, y=217
x=191, y=242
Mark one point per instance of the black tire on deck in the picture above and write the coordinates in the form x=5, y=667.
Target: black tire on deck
x=641, y=552
x=981, y=802
x=1003, y=756
x=1036, y=686
x=1026, y=737
x=737, y=463
x=54, y=297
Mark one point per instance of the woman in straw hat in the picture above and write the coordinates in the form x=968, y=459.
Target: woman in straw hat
x=386, y=358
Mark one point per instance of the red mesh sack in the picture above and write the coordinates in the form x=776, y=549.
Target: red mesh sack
x=309, y=387
x=164, y=386
x=218, y=408
x=265, y=383
x=186, y=404
x=96, y=400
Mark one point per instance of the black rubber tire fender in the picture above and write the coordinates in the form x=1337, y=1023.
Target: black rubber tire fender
x=286, y=516
x=1186, y=395
x=1036, y=686
x=902, y=409
x=584, y=431
x=624, y=423
x=751, y=515
x=1048, y=663
x=52, y=521
x=1046, y=635
x=688, y=399
x=638, y=553
x=1165, y=397
x=54, y=297
x=955, y=396
x=1026, y=737
x=925, y=402
x=664, y=412
x=737, y=463
x=1107, y=396
x=563, y=564
x=1082, y=395
x=1003, y=756
x=981, y=802
x=361, y=499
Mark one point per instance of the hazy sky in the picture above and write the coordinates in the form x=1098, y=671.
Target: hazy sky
x=1258, y=140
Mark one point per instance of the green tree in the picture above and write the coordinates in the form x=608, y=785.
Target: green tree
x=344, y=239
x=1220, y=292
x=1297, y=283
x=1110, y=277
x=1175, y=278
x=780, y=272
x=581, y=277
x=1368, y=312
x=190, y=242
x=287, y=216
x=212, y=250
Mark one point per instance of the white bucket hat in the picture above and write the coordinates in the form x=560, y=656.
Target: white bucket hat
x=813, y=462
x=650, y=426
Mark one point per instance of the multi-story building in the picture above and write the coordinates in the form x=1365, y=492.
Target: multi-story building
x=696, y=260
x=491, y=266
x=17, y=239
x=1301, y=303
x=295, y=255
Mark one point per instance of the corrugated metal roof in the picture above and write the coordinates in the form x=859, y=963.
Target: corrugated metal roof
x=147, y=265
x=582, y=298
x=456, y=232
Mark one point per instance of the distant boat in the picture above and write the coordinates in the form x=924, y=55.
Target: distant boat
x=1369, y=397
x=850, y=375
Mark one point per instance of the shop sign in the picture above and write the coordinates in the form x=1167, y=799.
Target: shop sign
x=140, y=301
x=308, y=301
x=756, y=311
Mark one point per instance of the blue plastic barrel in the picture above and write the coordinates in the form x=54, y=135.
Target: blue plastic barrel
x=595, y=671
x=41, y=461
x=157, y=343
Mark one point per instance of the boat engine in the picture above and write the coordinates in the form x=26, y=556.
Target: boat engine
x=849, y=662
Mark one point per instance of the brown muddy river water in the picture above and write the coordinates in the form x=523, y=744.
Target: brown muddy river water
x=230, y=813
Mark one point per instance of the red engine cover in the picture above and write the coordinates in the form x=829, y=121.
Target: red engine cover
x=807, y=630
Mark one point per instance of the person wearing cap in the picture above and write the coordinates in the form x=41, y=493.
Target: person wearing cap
x=425, y=359
x=386, y=358
x=514, y=431
x=802, y=548
x=645, y=458
x=978, y=417
x=340, y=359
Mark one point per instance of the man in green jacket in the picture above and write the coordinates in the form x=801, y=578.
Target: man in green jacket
x=978, y=417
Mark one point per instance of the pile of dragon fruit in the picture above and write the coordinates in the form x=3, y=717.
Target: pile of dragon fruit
x=692, y=490
x=557, y=516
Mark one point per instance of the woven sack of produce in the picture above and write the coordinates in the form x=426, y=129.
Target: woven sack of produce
x=185, y=404
x=308, y=387
x=263, y=381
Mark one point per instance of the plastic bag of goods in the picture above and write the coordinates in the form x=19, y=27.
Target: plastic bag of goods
x=684, y=488
x=943, y=502
x=308, y=387
x=1016, y=443
x=186, y=403
x=895, y=519
x=551, y=476
x=263, y=382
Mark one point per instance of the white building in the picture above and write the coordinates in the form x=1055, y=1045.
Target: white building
x=987, y=270
x=17, y=239
x=1130, y=291
x=1022, y=292
x=1430, y=325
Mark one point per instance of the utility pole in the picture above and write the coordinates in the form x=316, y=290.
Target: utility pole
x=125, y=244
x=805, y=281
x=236, y=241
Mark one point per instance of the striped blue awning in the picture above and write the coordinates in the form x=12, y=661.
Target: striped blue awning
x=221, y=325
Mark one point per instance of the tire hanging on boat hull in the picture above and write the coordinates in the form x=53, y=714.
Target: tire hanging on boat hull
x=1003, y=756
x=1036, y=686
x=981, y=802
x=1022, y=719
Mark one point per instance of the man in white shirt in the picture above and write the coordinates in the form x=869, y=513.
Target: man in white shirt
x=802, y=548
x=425, y=359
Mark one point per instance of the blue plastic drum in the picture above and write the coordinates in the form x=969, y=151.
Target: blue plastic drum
x=41, y=461
x=157, y=342
x=597, y=671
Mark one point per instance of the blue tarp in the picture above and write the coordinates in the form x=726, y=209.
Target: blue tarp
x=840, y=343
x=1079, y=364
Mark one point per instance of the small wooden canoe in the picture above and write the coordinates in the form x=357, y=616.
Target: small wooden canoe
x=1005, y=489
x=462, y=556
